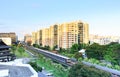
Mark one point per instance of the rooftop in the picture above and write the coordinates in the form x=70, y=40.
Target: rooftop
x=3, y=45
x=17, y=71
x=17, y=68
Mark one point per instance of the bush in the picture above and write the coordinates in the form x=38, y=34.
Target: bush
x=36, y=45
x=117, y=67
x=35, y=66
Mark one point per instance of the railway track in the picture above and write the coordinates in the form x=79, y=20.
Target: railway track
x=55, y=57
x=68, y=62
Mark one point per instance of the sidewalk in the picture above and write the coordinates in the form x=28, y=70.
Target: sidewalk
x=44, y=73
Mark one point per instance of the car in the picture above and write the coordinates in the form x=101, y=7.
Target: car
x=49, y=74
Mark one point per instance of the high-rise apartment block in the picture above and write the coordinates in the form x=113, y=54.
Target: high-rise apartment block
x=45, y=37
x=71, y=33
x=28, y=38
x=63, y=35
x=34, y=37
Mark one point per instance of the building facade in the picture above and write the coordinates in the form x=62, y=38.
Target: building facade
x=103, y=40
x=63, y=35
x=34, y=38
x=71, y=33
x=7, y=40
x=53, y=35
x=28, y=39
x=11, y=35
x=45, y=37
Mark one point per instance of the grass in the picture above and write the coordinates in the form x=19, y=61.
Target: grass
x=19, y=55
x=57, y=69
x=20, y=52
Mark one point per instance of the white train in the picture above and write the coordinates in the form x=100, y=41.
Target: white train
x=56, y=57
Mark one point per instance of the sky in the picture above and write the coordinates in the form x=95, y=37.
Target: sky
x=26, y=16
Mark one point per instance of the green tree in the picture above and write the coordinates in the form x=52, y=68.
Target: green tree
x=47, y=47
x=77, y=55
x=81, y=70
x=74, y=48
x=35, y=66
x=112, y=53
x=96, y=51
x=62, y=50
x=36, y=45
x=55, y=47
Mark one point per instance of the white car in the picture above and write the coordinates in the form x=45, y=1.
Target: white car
x=49, y=74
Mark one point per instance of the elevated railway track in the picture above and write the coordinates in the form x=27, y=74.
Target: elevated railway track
x=68, y=62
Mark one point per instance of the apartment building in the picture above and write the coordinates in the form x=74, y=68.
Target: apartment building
x=45, y=37
x=34, y=37
x=71, y=33
x=28, y=38
x=63, y=35
x=103, y=40
x=37, y=37
x=53, y=35
x=11, y=35
x=40, y=39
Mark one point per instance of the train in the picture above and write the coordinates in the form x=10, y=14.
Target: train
x=56, y=57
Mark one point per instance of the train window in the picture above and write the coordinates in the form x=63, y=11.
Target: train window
x=68, y=60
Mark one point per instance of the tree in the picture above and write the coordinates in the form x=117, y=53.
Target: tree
x=54, y=47
x=81, y=70
x=78, y=55
x=112, y=53
x=74, y=48
x=96, y=51
x=35, y=66
x=62, y=50
x=47, y=47
x=36, y=45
